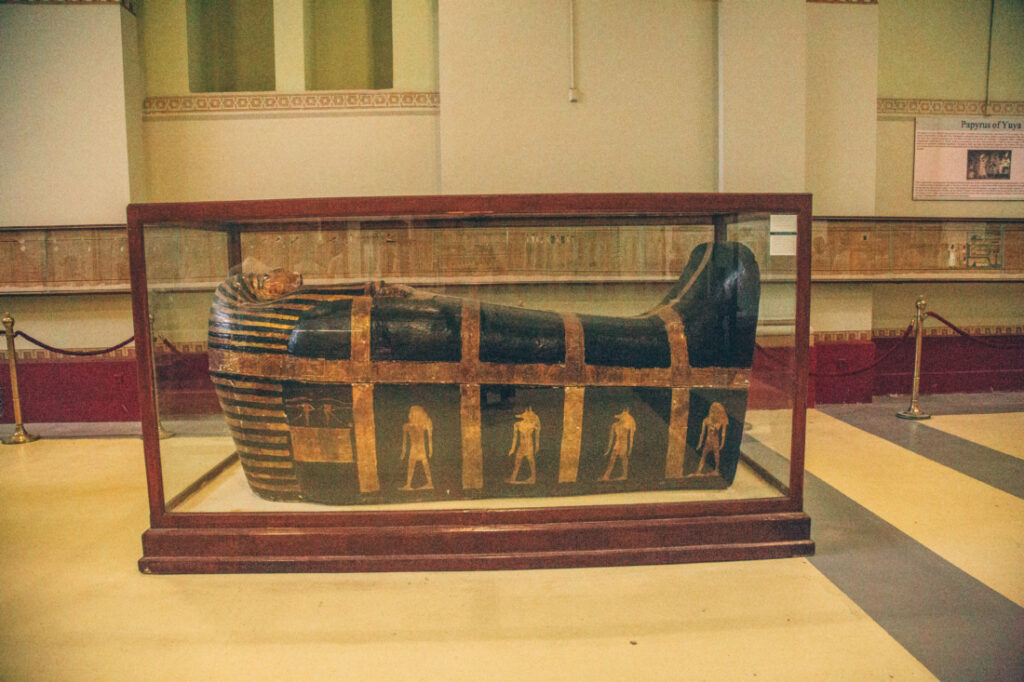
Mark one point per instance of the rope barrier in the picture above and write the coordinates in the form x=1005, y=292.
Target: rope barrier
x=77, y=353
x=878, y=361
x=971, y=337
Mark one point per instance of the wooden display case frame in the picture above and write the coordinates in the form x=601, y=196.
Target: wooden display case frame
x=471, y=539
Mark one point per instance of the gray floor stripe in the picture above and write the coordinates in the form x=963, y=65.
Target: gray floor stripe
x=957, y=627
x=995, y=468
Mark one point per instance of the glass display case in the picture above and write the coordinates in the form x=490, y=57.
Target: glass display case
x=472, y=382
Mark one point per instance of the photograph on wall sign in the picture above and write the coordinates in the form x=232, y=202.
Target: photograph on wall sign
x=968, y=159
x=991, y=164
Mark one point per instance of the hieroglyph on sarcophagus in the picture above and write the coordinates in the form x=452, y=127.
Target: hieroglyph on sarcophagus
x=382, y=393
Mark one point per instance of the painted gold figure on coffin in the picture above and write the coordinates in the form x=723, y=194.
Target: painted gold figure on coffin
x=418, y=447
x=525, y=444
x=620, y=446
x=712, y=436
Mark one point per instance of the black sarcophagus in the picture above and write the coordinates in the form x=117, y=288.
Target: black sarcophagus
x=382, y=393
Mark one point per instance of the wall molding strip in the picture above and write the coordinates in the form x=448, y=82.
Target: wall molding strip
x=900, y=107
x=219, y=103
x=865, y=336
x=943, y=330
x=842, y=2
x=847, y=336
x=34, y=354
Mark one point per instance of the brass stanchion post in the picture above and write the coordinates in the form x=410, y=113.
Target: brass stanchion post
x=914, y=412
x=162, y=433
x=20, y=435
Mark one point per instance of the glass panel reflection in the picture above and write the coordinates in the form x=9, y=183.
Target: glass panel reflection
x=379, y=364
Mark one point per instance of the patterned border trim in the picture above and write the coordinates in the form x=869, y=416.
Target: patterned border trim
x=264, y=102
x=127, y=4
x=947, y=107
x=943, y=330
x=40, y=355
x=859, y=336
x=862, y=336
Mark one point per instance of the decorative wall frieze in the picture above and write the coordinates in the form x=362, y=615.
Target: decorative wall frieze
x=866, y=336
x=943, y=330
x=33, y=354
x=897, y=107
x=256, y=103
x=848, y=336
x=127, y=4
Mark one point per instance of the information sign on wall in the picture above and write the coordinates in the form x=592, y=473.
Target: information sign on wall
x=969, y=159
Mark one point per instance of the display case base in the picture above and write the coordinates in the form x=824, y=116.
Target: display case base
x=496, y=547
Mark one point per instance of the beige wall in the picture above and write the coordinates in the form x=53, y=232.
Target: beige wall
x=762, y=80
x=294, y=153
x=272, y=156
x=841, y=306
x=81, y=321
x=674, y=95
x=965, y=304
x=645, y=116
x=1006, y=80
x=938, y=49
x=790, y=81
x=63, y=127
x=336, y=64
x=842, y=88
x=164, y=44
x=134, y=94
x=289, y=56
x=414, y=44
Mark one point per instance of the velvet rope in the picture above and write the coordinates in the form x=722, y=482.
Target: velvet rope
x=906, y=335
x=971, y=337
x=78, y=353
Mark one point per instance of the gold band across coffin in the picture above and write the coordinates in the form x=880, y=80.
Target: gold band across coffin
x=355, y=428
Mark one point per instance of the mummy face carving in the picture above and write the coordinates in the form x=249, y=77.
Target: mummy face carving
x=274, y=284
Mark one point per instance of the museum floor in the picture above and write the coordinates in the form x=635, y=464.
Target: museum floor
x=919, y=573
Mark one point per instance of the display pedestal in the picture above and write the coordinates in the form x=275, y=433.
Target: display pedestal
x=444, y=548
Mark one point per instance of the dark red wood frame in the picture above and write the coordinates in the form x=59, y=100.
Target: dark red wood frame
x=600, y=535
